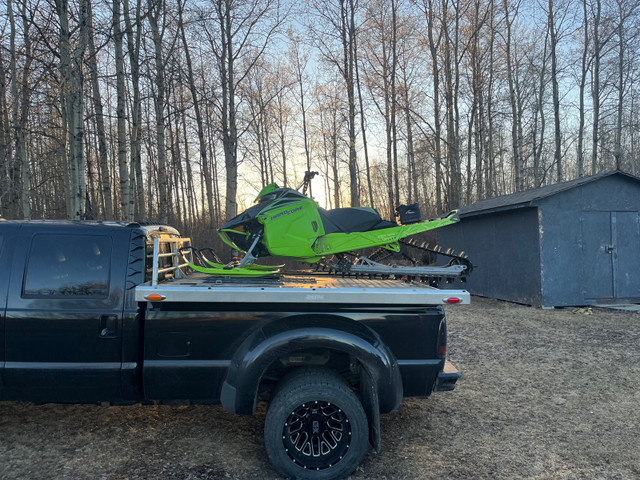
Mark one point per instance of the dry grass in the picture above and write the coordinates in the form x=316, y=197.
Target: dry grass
x=544, y=395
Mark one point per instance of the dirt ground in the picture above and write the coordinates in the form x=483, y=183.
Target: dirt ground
x=545, y=394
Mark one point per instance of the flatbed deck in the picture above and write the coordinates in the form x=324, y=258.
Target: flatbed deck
x=286, y=288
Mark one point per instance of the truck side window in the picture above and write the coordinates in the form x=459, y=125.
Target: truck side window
x=68, y=266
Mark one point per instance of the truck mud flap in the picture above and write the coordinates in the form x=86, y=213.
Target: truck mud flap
x=371, y=404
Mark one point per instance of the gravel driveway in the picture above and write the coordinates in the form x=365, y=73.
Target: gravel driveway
x=545, y=394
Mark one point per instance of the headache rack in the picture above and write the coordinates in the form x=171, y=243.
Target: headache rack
x=167, y=258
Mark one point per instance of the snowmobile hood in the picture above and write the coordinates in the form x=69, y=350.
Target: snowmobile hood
x=248, y=214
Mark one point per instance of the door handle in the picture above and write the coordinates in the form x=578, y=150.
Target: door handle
x=108, y=326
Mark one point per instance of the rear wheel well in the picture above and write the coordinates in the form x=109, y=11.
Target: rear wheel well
x=347, y=366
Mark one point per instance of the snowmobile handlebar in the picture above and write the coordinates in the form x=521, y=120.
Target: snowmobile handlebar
x=308, y=176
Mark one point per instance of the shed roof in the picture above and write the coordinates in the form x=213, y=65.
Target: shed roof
x=528, y=197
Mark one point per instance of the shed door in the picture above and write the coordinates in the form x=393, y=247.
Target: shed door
x=610, y=246
x=626, y=258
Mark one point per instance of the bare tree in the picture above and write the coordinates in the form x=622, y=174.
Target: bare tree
x=133, y=44
x=584, y=69
x=204, y=160
x=363, y=128
x=126, y=203
x=20, y=110
x=553, y=42
x=626, y=9
x=338, y=25
x=595, y=86
x=5, y=145
x=380, y=70
x=299, y=61
x=98, y=107
x=238, y=34
x=156, y=14
x=72, y=80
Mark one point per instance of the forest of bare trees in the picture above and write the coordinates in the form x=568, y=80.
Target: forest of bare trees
x=181, y=111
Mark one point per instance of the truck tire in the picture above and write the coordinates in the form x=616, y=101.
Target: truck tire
x=316, y=427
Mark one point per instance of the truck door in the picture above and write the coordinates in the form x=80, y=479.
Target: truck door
x=4, y=283
x=64, y=316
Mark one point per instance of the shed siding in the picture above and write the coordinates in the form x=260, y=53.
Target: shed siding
x=504, y=250
x=561, y=249
x=576, y=243
x=615, y=193
x=575, y=227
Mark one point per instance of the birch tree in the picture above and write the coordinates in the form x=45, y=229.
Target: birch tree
x=134, y=40
x=72, y=99
x=126, y=202
x=156, y=14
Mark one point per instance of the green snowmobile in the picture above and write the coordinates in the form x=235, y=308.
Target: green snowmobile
x=286, y=223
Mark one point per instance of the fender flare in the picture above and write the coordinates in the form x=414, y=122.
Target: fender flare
x=277, y=339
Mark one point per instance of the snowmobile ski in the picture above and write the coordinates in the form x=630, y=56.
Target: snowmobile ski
x=233, y=269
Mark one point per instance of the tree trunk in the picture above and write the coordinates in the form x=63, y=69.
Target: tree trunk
x=5, y=146
x=299, y=67
x=595, y=89
x=515, y=139
x=437, y=154
x=617, y=151
x=136, y=113
x=348, y=46
x=583, y=81
x=538, y=145
x=155, y=11
x=126, y=204
x=103, y=159
x=362, y=124
x=206, y=171
x=72, y=89
x=490, y=164
x=394, y=105
x=556, y=95
x=20, y=175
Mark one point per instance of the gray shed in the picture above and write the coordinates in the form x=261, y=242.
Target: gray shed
x=573, y=243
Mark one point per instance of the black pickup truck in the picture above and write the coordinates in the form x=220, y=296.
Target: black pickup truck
x=110, y=312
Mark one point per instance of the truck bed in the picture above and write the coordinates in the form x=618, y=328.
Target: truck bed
x=307, y=288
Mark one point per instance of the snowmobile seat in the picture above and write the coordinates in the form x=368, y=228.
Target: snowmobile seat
x=350, y=220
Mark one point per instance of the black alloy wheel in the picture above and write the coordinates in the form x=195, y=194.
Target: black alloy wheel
x=317, y=435
x=316, y=427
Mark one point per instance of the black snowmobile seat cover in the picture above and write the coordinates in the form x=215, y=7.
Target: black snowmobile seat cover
x=350, y=220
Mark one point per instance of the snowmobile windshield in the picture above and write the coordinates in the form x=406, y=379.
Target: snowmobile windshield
x=266, y=198
x=268, y=195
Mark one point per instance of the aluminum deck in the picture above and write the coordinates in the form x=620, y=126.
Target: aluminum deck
x=298, y=289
